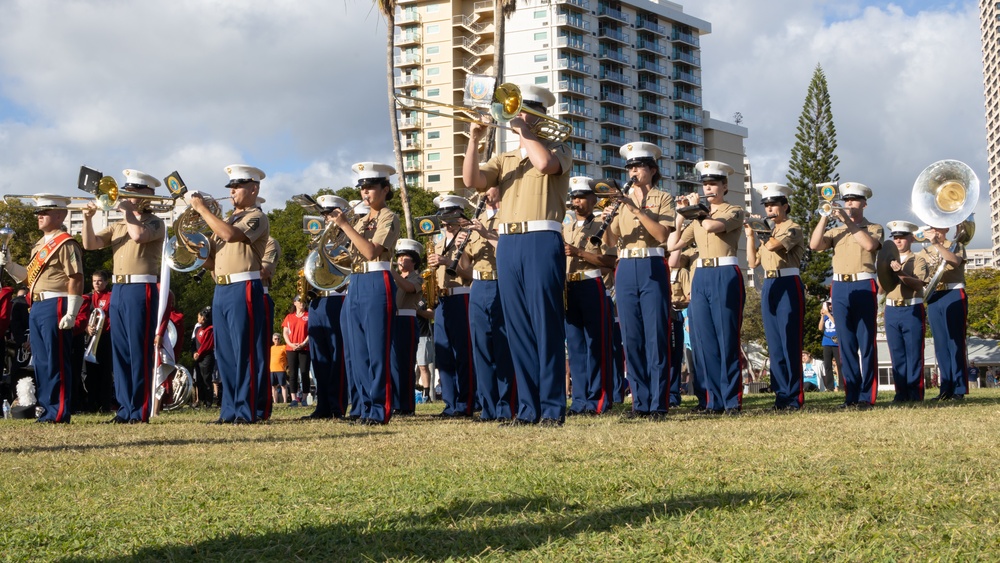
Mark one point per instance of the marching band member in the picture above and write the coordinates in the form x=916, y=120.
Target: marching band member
x=369, y=311
x=642, y=280
x=588, y=317
x=99, y=379
x=204, y=357
x=452, y=345
x=618, y=385
x=404, y=342
x=782, y=297
x=533, y=182
x=238, y=306
x=55, y=287
x=490, y=349
x=326, y=340
x=853, y=292
x=905, y=318
x=717, y=292
x=680, y=296
x=948, y=312
x=137, y=243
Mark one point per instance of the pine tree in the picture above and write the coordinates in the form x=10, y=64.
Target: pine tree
x=813, y=161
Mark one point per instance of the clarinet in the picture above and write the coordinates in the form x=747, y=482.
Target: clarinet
x=599, y=236
x=450, y=269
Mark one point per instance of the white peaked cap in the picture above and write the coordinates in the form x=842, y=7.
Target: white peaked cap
x=239, y=172
x=451, y=201
x=581, y=185
x=902, y=227
x=51, y=201
x=359, y=207
x=773, y=190
x=535, y=93
x=635, y=151
x=409, y=245
x=330, y=202
x=367, y=171
x=855, y=189
x=139, y=179
x=714, y=169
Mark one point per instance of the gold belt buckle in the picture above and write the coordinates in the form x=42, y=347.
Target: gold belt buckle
x=515, y=228
x=941, y=286
x=575, y=277
x=770, y=274
x=359, y=269
x=222, y=280
x=119, y=278
x=847, y=277
x=896, y=302
x=487, y=276
x=709, y=262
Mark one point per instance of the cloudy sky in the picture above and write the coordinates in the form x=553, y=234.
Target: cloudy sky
x=297, y=87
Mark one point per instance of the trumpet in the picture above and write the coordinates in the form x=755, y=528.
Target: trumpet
x=96, y=324
x=107, y=194
x=6, y=233
x=828, y=207
x=828, y=192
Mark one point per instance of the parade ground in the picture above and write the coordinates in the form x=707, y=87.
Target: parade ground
x=913, y=483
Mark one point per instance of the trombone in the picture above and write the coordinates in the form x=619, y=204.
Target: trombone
x=506, y=104
x=828, y=191
x=108, y=195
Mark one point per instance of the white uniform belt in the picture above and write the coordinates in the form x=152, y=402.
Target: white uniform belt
x=584, y=275
x=227, y=279
x=134, y=278
x=330, y=293
x=484, y=276
x=715, y=262
x=903, y=302
x=783, y=272
x=607, y=292
x=43, y=295
x=863, y=276
x=947, y=286
x=449, y=291
x=529, y=227
x=267, y=290
x=641, y=252
x=406, y=312
x=366, y=267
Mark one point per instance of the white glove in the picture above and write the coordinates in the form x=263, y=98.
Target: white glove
x=16, y=271
x=69, y=319
x=4, y=258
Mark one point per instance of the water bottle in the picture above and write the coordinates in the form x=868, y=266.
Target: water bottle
x=6, y=409
x=418, y=397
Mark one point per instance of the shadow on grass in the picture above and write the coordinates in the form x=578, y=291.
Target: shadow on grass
x=461, y=530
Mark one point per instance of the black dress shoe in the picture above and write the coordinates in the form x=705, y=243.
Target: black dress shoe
x=317, y=416
x=550, y=423
x=697, y=410
x=443, y=414
x=574, y=413
x=941, y=397
x=865, y=406
x=845, y=406
x=116, y=420
x=635, y=414
x=520, y=422
x=731, y=412
x=241, y=421
x=657, y=416
x=218, y=421
x=503, y=421
x=371, y=422
x=958, y=397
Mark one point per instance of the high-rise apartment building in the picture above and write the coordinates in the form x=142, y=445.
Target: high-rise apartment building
x=990, y=24
x=621, y=72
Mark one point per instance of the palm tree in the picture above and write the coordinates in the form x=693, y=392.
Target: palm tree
x=388, y=9
x=502, y=11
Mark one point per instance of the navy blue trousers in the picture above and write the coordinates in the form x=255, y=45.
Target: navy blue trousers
x=855, y=307
x=367, y=322
x=326, y=355
x=783, y=307
x=642, y=288
x=239, y=317
x=404, y=364
x=51, y=352
x=132, y=317
x=617, y=354
x=532, y=270
x=904, y=334
x=948, y=313
x=588, y=341
x=453, y=355
x=716, y=313
x=491, y=352
x=676, y=356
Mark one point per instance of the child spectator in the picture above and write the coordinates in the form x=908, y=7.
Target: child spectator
x=279, y=364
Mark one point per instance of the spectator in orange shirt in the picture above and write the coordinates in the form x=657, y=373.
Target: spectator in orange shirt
x=279, y=364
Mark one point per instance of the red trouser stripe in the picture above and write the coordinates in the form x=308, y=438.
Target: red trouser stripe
x=387, y=363
x=60, y=303
x=252, y=348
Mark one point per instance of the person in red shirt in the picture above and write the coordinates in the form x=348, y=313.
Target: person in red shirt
x=295, y=329
x=204, y=358
x=97, y=377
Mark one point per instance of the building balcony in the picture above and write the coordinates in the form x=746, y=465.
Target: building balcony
x=582, y=133
x=573, y=21
x=410, y=59
x=689, y=116
x=645, y=85
x=689, y=137
x=571, y=43
x=409, y=123
x=611, y=160
x=654, y=129
x=583, y=155
x=686, y=156
x=651, y=66
x=688, y=38
x=614, y=55
x=484, y=6
x=407, y=18
x=409, y=38
x=613, y=34
x=411, y=166
x=582, y=4
x=616, y=76
x=621, y=120
x=406, y=81
x=575, y=87
x=610, y=139
x=647, y=45
x=653, y=107
x=574, y=109
x=686, y=57
x=682, y=76
x=619, y=99
x=411, y=144
x=682, y=96
x=609, y=12
x=641, y=23
x=575, y=66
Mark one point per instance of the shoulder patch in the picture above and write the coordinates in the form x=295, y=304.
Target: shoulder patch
x=253, y=223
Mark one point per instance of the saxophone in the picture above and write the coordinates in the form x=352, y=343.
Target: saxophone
x=429, y=287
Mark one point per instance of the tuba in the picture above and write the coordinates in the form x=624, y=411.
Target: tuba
x=327, y=267
x=95, y=322
x=945, y=195
x=189, y=248
x=174, y=384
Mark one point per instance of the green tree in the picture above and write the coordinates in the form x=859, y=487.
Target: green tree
x=21, y=219
x=983, y=288
x=813, y=161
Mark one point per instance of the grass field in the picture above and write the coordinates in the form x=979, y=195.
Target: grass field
x=888, y=484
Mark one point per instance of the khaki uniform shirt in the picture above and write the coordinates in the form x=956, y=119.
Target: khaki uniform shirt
x=67, y=261
x=631, y=234
x=680, y=280
x=130, y=257
x=793, y=247
x=272, y=253
x=383, y=230
x=717, y=245
x=951, y=273
x=848, y=256
x=915, y=265
x=237, y=257
x=406, y=300
x=525, y=193
x=481, y=253
x=577, y=234
x=445, y=245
